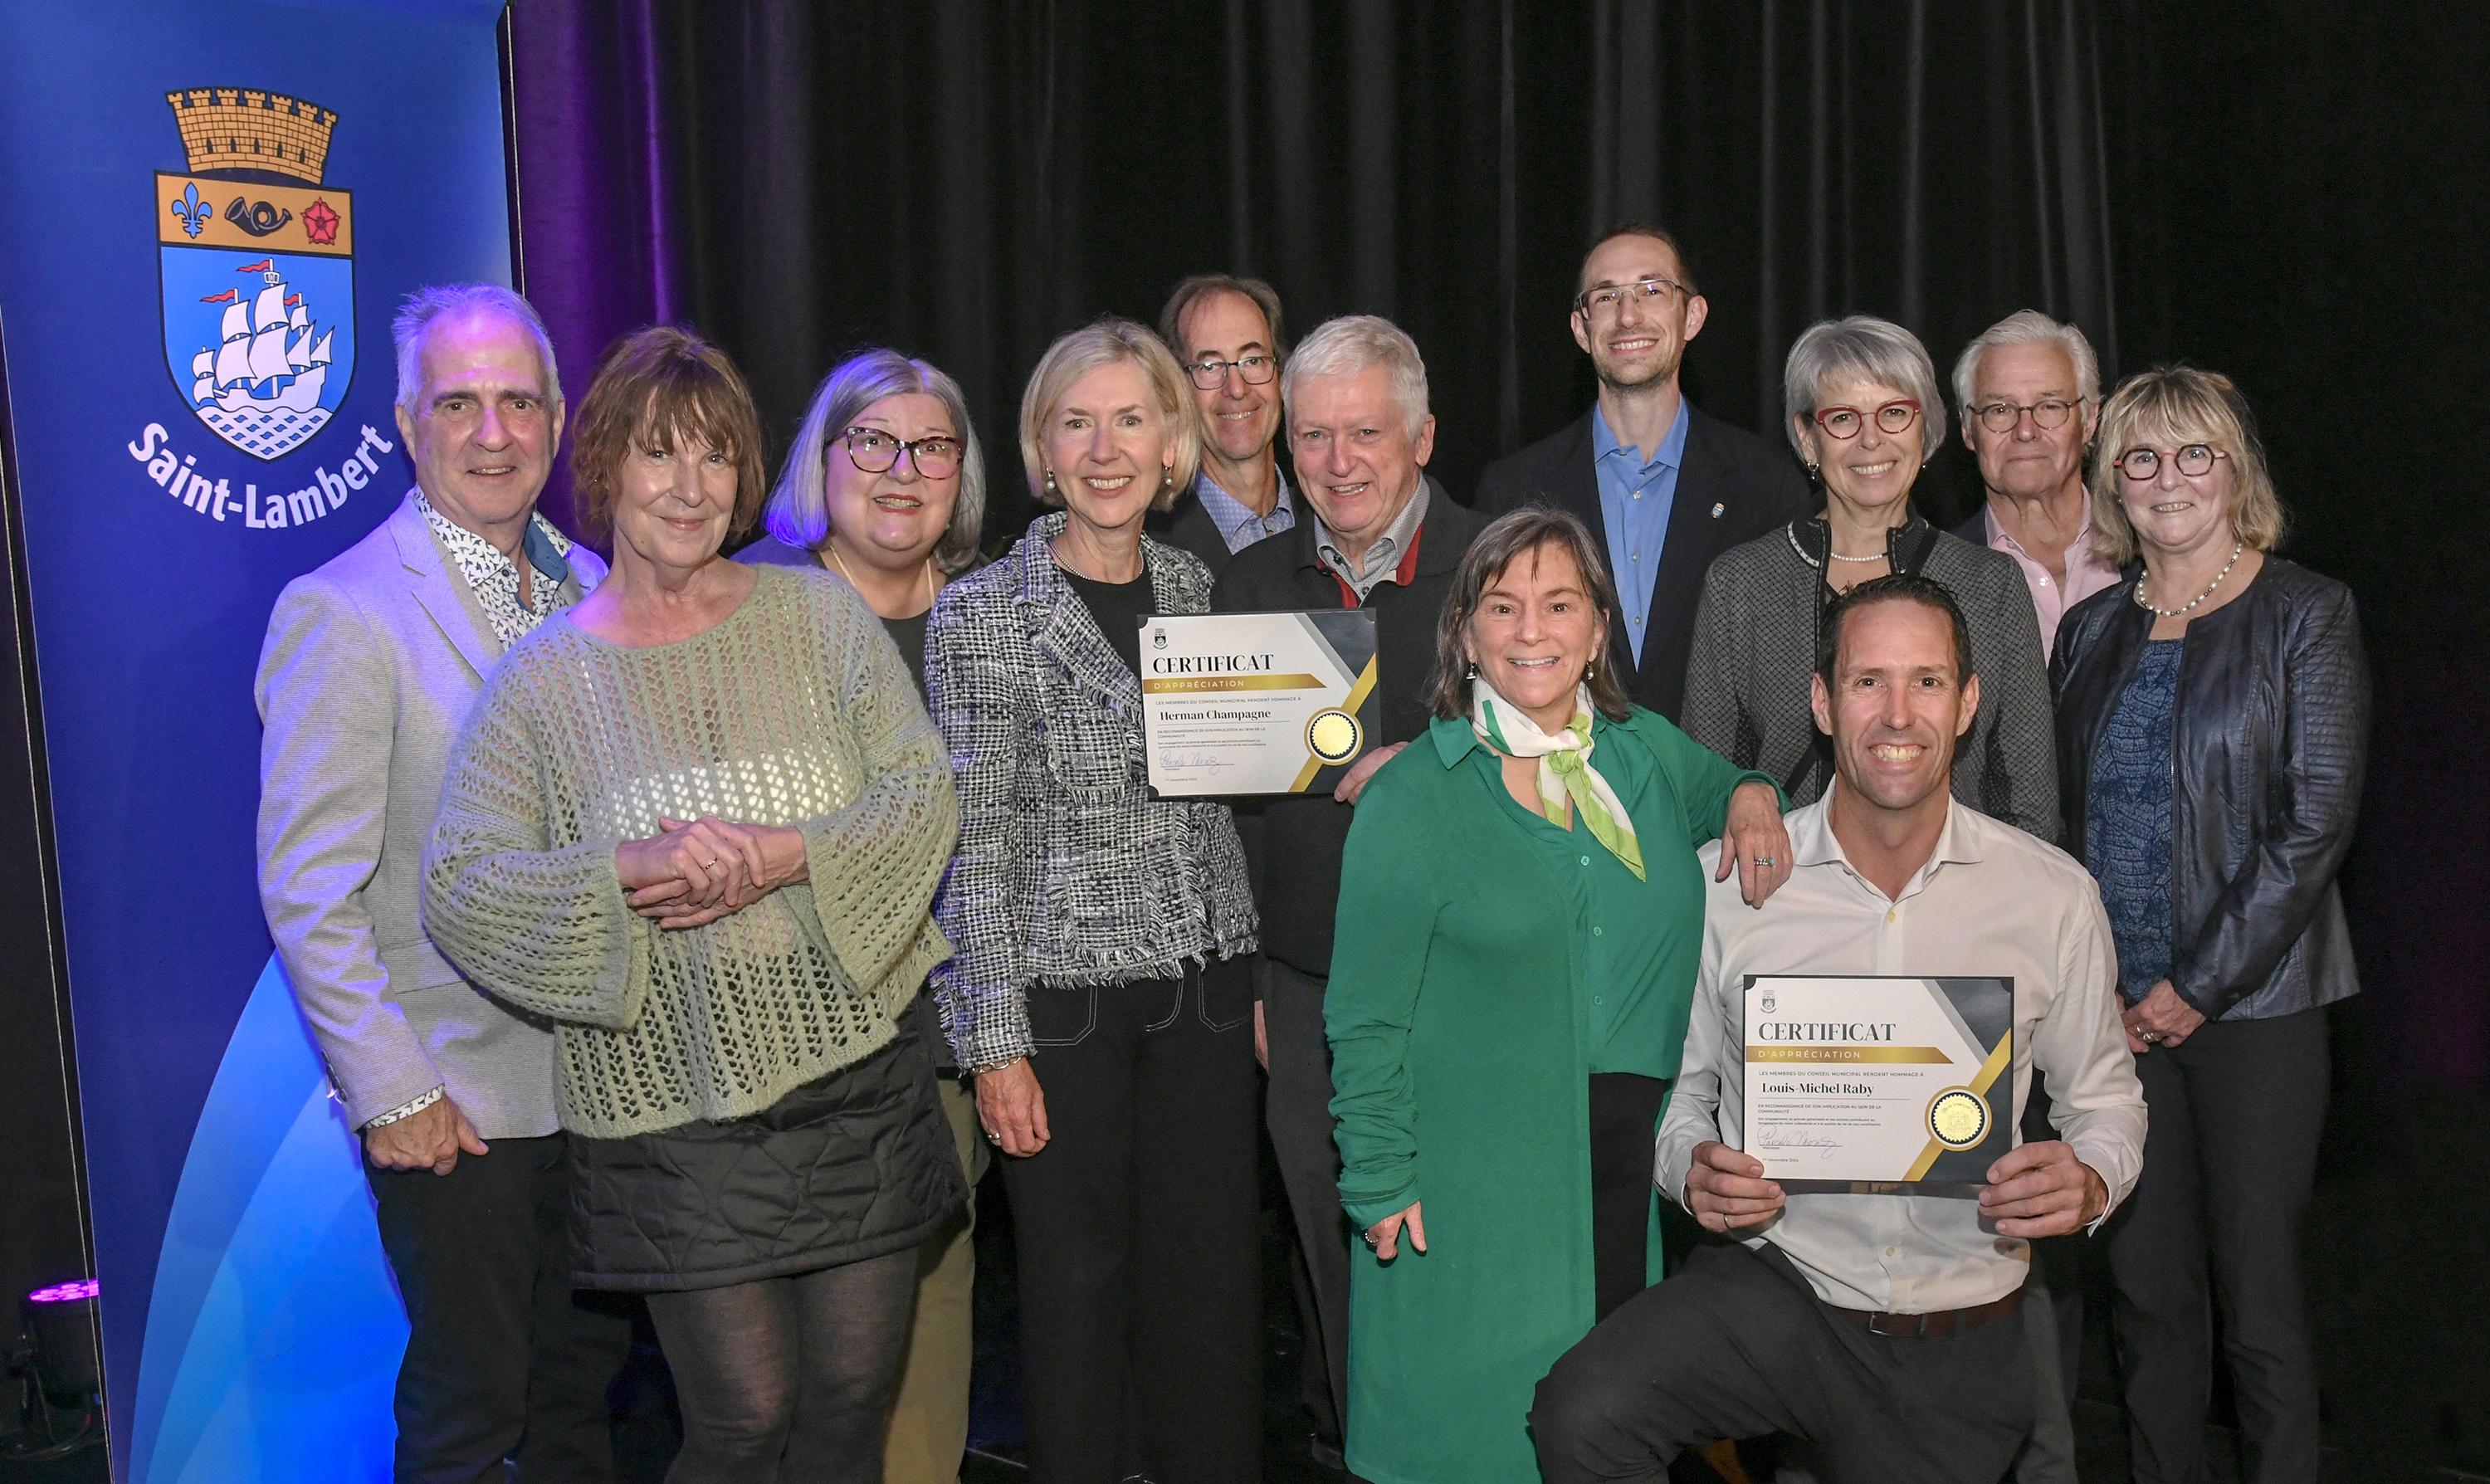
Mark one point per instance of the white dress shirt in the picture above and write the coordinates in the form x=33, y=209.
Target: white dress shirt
x=1990, y=901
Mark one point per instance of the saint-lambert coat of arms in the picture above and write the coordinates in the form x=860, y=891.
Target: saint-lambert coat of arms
x=258, y=268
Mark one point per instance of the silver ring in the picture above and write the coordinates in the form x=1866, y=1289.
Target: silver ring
x=1763, y=860
x=708, y=865
x=2151, y=1037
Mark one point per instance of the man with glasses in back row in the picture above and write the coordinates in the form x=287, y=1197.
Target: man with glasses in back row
x=2030, y=393
x=1663, y=487
x=1226, y=332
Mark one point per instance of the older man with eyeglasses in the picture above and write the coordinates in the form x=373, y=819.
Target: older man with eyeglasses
x=1663, y=487
x=2028, y=389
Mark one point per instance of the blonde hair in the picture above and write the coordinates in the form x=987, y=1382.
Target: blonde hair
x=2191, y=406
x=1085, y=350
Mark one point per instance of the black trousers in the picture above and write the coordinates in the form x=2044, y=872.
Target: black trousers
x=1736, y=1345
x=1138, y=1234
x=2236, y=1114
x=504, y=1360
x=1298, y=1114
x=1625, y=1114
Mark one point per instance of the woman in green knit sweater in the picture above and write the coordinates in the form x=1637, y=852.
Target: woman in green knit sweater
x=697, y=821
x=1521, y=913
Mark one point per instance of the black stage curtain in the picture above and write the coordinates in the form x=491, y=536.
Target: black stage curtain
x=966, y=180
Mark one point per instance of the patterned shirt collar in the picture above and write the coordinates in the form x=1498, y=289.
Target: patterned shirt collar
x=1238, y=526
x=494, y=578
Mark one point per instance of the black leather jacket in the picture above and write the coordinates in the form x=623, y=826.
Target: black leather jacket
x=2269, y=750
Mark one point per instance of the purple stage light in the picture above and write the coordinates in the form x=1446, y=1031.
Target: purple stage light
x=64, y=1293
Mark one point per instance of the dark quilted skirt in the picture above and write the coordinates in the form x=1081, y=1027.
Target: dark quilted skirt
x=847, y=1166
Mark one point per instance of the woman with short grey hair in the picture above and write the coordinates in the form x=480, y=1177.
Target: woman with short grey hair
x=1861, y=395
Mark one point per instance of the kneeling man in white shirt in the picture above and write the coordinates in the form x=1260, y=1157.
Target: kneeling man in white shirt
x=1884, y=1328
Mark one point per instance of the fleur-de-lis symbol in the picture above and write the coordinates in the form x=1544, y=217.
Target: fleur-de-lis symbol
x=192, y=211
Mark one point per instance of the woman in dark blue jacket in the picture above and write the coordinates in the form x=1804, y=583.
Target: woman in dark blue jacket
x=2213, y=735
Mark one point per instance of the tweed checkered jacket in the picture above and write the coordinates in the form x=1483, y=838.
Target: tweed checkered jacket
x=1068, y=872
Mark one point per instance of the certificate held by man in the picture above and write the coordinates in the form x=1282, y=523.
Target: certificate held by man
x=1876, y=1086
x=1255, y=703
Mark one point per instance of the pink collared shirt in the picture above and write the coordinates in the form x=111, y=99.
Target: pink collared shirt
x=2087, y=573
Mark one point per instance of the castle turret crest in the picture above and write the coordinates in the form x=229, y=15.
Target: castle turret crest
x=257, y=257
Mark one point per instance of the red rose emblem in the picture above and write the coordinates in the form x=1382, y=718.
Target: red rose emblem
x=320, y=224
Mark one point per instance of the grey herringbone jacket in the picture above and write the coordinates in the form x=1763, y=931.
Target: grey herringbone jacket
x=1068, y=872
x=1754, y=648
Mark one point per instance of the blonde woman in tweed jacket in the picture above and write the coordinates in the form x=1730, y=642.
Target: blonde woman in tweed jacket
x=698, y=823
x=1101, y=994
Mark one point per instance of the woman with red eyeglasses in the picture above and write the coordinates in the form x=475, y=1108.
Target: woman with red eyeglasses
x=1863, y=396
x=2213, y=737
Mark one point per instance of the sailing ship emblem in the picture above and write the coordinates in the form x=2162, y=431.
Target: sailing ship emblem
x=257, y=268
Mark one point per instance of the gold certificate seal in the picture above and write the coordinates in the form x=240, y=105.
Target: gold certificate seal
x=1333, y=735
x=1959, y=1117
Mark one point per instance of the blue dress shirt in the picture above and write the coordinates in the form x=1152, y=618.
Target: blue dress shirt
x=1238, y=526
x=1635, y=498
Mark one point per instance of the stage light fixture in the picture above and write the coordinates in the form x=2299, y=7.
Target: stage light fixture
x=63, y=1320
x=59, y=1368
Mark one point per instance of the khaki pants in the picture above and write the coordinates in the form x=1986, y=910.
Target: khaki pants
x=929, y=1416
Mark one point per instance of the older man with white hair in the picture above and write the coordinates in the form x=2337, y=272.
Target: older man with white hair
x=2028, y=389
x=369, y=670
x=1384, y=536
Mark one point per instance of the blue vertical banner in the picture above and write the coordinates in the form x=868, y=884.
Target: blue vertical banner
x=213, y=211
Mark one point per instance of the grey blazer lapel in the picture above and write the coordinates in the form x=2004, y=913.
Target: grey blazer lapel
x=440, y=597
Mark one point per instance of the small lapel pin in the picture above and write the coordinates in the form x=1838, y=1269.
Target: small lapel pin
x=1717, y=508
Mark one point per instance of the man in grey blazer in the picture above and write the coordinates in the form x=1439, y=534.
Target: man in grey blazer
x=369, y=670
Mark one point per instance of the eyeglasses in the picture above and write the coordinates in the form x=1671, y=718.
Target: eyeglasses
x=875, y=452
x=1212, y=374
x=2049, y=412
x=1845, y=422
x=2193, y=460
x=1609, y=298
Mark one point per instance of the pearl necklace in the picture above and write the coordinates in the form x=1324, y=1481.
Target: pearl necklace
x=1839, y=557
x=2171, y=613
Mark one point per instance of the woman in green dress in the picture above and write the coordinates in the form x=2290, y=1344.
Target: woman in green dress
x=1520, y=911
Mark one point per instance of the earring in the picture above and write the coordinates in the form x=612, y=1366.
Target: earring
x=1590, y=668
x=1814, y=475
x=1167, y=477
x=1473, y=675
x=1059, y=494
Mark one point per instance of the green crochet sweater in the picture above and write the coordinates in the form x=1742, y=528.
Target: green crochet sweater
x=794, y=711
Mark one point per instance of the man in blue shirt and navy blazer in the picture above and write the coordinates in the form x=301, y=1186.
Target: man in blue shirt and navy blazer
x=1666, y=487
